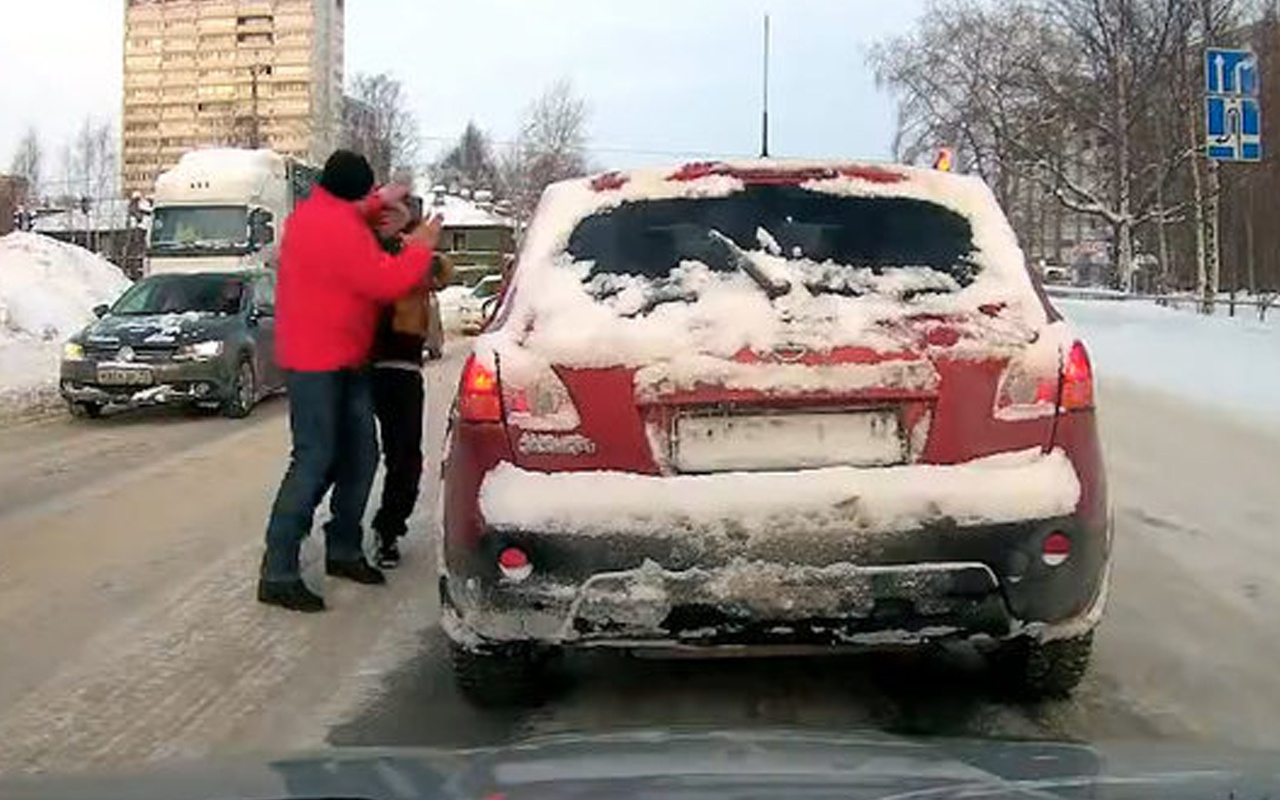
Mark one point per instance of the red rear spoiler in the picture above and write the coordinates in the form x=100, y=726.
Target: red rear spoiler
x=783, y=175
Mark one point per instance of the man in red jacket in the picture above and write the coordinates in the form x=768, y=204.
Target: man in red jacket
x=333, y=280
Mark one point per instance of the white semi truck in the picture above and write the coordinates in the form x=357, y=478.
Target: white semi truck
x=221, y=209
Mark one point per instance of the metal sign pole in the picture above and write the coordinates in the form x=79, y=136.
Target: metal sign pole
x=1233, y=132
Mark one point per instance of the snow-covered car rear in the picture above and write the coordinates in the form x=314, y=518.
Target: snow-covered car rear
x=773, y=404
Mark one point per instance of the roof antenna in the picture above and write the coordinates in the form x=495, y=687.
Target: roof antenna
x=764, y=118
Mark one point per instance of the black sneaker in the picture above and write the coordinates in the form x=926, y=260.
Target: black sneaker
x=293, y=595
x=357, y=570
x=389, y=555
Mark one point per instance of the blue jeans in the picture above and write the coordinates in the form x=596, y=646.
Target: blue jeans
x=334, y=445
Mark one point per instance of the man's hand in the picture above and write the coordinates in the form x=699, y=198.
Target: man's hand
x=393, y=219
x=427, y=233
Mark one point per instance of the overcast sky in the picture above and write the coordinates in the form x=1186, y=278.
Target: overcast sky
x=662, y=77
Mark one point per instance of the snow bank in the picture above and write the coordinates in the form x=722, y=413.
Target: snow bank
x=1003, y=488
x=1232, y=364
x=48, y=289
x=721, y=314
x=47, y=292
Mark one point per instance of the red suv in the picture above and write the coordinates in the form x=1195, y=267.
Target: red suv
x=773, y=404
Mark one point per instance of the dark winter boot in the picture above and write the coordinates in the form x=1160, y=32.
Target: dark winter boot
x=293, y=595
x=357, y=570
x=388, y=554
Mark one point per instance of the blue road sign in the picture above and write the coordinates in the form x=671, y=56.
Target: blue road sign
x=1231, y=72
x=1233, y=118
x=1233, y=128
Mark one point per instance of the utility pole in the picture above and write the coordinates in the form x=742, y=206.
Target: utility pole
x=255, y=124
x=764, y=117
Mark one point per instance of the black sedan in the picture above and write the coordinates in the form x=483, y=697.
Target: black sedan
x=206, y=339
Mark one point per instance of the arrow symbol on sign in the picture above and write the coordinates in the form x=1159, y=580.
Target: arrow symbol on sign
x=1219, y=65
x=1239, y=74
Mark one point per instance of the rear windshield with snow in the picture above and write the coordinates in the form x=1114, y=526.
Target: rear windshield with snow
x=829, y=244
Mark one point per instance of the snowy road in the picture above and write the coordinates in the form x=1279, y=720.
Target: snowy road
x=128, y=631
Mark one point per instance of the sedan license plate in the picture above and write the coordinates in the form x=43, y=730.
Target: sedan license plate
x=122, y=376
x=787, y=441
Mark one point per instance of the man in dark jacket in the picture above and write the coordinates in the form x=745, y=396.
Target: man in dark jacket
x=399, y=397
x=333, y=281
x=399, y=400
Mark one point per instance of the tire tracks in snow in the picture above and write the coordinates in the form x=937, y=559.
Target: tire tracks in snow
x=194, y=665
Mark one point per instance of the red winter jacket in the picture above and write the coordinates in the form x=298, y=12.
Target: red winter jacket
x=333, y=281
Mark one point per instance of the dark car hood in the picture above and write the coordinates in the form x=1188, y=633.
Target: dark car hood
x=712, y=765
x=157, y=329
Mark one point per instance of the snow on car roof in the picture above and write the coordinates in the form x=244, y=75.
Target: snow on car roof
x=730, y=312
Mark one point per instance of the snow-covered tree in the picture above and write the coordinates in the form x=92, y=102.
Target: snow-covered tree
x=1057, y=93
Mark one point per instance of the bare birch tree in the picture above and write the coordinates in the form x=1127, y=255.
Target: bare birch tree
x=28, y=159
x=381, y=126
x=551, y=147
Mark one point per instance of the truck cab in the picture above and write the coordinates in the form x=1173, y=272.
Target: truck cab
x=222, y=209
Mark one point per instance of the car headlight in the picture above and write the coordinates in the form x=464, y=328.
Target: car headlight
x=72, y=352
x=200, y=350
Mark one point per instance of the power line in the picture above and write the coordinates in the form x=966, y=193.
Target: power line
x=611, y=149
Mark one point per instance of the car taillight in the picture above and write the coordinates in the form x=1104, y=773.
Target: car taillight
x=479, y=399
x=1077, y=380
x=534, y=397
x=1027, y=390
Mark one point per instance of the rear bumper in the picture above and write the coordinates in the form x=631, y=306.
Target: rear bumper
x=892, y=556
x=172, y=383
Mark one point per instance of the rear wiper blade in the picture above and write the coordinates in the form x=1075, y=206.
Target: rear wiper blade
x=921, y=291
x=844, y=290
x=662, y=298
x=741, y=260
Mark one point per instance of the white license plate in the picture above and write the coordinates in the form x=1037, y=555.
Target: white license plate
x=787, y=441
x=120, y=376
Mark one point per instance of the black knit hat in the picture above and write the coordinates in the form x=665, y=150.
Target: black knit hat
x=347, y=175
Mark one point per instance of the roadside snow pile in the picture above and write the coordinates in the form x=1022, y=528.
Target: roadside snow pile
x=48, y=289
x=1233, y=364
x=1002, y=488
x=47, y=292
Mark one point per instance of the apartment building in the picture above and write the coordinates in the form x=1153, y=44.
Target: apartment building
x=238, y=73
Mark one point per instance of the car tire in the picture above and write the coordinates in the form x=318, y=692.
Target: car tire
x=1043, y=670
x=86, y=410
x=243, y=395
x=509, y=676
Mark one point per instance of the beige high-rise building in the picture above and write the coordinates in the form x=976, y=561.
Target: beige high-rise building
x=232, y=73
